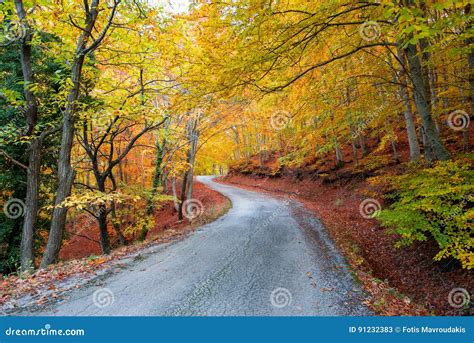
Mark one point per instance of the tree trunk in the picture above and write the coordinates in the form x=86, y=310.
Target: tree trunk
x=120, y=166
x=164, y=181
x=192, y=158
x=34, y=149
x=187, y=186
x=470, y=61
x=65, y=170
x=31, y=205
x=394, y=149
x=184, y=183
x=354, y=147
x=425, y=71
x=104, y=235
x=426, y=147
x=464, y=131
x=115, y=225
x=433, y=79
x=157, y=175
x=189, y=192
x=339, y=160
x=352, y=133
x=362, y=144
x=31, y=109
x=175, y=195
x=432, y=136
x=415, y=153
x=65, y=180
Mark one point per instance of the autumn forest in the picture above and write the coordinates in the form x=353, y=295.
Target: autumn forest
x=359, y=110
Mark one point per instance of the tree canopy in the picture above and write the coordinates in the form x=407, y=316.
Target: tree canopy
x=106, y=107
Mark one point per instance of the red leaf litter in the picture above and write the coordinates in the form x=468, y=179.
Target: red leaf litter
x=166, y=221
x=399, y=281
x=76, y=259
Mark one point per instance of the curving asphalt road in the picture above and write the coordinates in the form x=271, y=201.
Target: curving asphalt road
x=266, y=256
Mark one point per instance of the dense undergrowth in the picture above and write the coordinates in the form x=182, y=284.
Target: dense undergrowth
x=434, y=202
x=422, y=201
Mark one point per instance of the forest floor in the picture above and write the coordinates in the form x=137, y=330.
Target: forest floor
x=81, y=259
x=400, y=281
x=260, y=259
x=166, y=223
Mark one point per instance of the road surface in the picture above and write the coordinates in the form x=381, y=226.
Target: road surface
x=259, y=259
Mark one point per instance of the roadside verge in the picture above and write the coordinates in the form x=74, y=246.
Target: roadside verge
x=52, y=283
x=399, y=281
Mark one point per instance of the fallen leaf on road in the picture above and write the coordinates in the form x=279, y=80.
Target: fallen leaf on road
x=42, y=300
